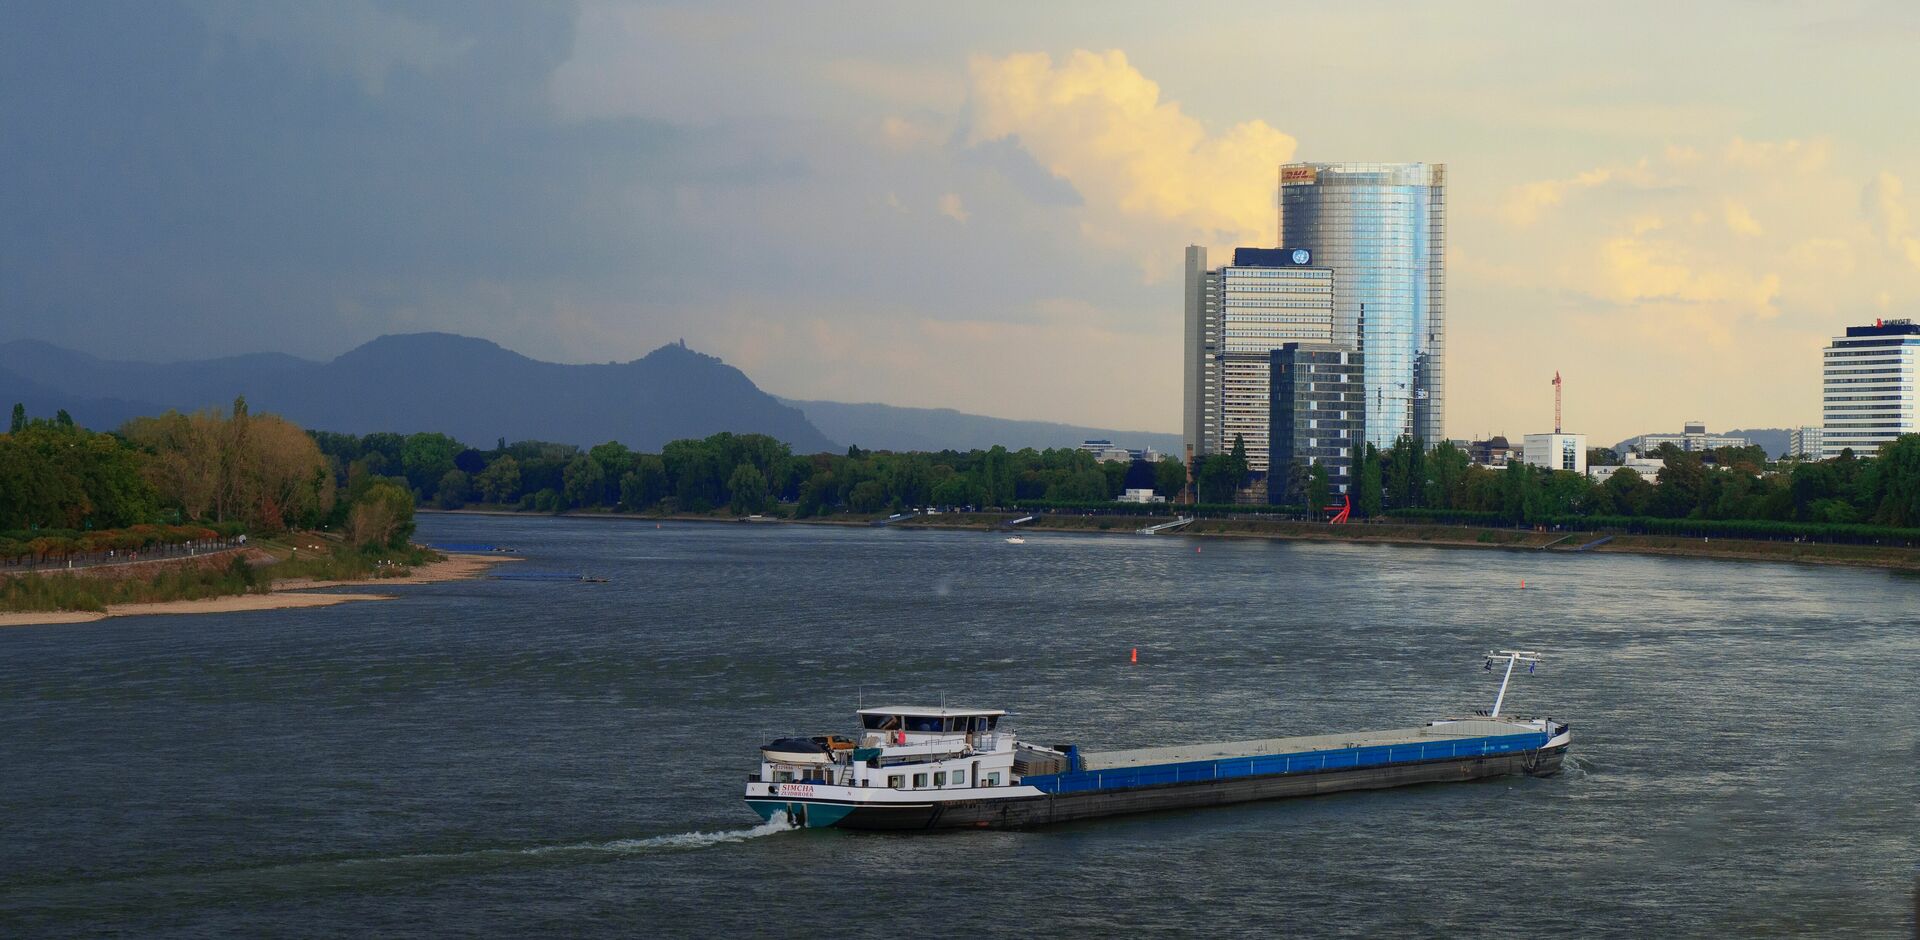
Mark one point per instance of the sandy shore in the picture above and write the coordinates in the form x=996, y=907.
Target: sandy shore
x=287, y=593
x=454, y=568
x=211, y=605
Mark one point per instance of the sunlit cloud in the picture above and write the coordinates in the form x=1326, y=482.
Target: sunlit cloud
x=953, y=208
x=1095, y=121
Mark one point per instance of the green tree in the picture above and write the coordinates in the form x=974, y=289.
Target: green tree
x=615, y=462
x=958, y=490
x=19, y=418
x=1082, y=486
x=1628, y=493
x=1517, y=484
x=747, y=489
x=584, y=482
x=1683, y=482
x=1218, y=479
x=645, y=485
x=500, y=482
x=1319, y=488
x=453, y=490
x=869, y=496
x=425, y=458
x=1895, y=484
x=1368, y=481
x=1169, y=477
x=1405, y=473
x=1446, y=476
x=382, y=517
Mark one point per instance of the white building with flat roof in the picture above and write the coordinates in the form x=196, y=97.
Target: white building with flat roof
x=1868, y=387
x=1556, y=451
x=1647, y=467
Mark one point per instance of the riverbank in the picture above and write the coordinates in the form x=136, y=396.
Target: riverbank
x=209, y=605
x=1895, y=558
x=280, y=594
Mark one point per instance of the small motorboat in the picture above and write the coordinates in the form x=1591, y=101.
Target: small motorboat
x=1016, y=540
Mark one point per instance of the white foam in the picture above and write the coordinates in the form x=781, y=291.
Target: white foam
x=679, y=840
x=682, y=840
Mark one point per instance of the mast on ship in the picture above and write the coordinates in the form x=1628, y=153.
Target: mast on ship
x=1513, y=658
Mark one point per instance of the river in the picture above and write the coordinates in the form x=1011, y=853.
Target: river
x=518, y=757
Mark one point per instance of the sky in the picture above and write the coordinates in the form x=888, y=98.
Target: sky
x=977, y=206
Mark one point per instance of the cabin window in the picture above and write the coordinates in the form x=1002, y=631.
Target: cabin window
x=782, y=776
x=919, y=781
x=993, y=779
x=925, y=724
x=880, y=722
x=896, y=781
x=940, y=778
x=959, y=777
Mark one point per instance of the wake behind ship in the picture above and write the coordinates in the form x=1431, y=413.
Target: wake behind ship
x=940, y=768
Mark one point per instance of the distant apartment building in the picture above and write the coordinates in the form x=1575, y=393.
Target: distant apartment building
x=1382, y=229
x=1317, y=413
x=1868, y=387
x=1556, y=451
x=1647, y=467
x=1237, y=314
x=1494, y=452
x=1693, y=438
x=1804, y=442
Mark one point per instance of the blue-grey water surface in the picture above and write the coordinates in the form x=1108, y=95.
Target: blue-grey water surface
x=520, y=757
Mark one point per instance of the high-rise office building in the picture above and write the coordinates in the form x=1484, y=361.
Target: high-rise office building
x=1868, y=383
x=1236, y=315
x=1382, y=228
x=1317, y=416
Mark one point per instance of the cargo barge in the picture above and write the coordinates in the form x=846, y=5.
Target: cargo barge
x=944, y=768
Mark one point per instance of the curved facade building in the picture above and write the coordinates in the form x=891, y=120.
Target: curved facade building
x=1382, y=228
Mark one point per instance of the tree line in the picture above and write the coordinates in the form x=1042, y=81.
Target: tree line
x=209, y=471
x=1727, y=484
x=743, y=473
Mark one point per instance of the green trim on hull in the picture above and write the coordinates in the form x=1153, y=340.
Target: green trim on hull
x=801, y=812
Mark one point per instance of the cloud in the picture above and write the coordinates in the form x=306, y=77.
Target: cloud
x=1887, y=217
x=354, y=37
x=953, y=208
x=1740, y=220
x=1151, y=175
x=1527, y=201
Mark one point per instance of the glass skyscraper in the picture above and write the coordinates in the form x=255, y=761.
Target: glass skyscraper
x=1382, y=228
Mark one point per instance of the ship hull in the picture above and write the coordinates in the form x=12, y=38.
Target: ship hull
x=1017, y=811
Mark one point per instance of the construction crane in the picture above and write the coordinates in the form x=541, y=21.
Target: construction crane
x=1556, y=401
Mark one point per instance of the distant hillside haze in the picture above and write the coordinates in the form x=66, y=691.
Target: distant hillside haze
x=887, y=427
x=478, y=392
x=470, y=388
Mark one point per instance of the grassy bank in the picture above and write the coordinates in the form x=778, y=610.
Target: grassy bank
x=253, y=571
